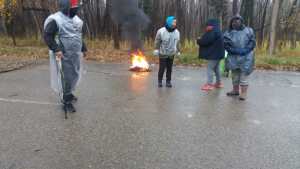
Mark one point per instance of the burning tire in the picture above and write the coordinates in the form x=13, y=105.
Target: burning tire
x=139, y=62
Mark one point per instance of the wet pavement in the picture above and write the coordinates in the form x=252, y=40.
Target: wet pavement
x=125, y=122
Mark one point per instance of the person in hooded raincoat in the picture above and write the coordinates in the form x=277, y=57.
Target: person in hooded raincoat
x=63, y=35
x=212, y=49
x=167, y=46
x=240, y=43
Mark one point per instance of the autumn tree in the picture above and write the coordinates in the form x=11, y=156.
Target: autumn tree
x=8, y=10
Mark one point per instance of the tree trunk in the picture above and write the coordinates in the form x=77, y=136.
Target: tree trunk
x=235, y=7
x=274, y=18
x=12, y=32
x=116, y=36
x=262, y=28
x=294, y=28
x=247, y=11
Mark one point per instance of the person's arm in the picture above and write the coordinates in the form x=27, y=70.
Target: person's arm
x=250, y=45
x=252, y=41
x=208, y=38
x=178, y=47
x=84, y=48
x=49, y=36
x=229, y=46
x=178, y=44
x=157, y=40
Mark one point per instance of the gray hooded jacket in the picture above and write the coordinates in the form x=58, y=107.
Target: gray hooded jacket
x=167, y=42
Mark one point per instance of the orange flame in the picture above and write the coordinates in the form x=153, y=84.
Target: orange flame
x=139, y=61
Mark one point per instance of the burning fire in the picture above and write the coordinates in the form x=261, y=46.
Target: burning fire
x=139, y=62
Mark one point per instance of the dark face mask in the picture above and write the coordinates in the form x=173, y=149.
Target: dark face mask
x=73, y=12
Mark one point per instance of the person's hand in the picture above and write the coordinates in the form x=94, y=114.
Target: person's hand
x=178, y=54
x=209, y=28
x=85, y=55
x=242, y=51
x=246, y=51
x=156, y=52
x=59, y=55
x=237, y=51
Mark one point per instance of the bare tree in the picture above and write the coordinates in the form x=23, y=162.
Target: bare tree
x=247, y=11
x=235, y=7
x=262, y=25
x=29, y=15
x=274, y=20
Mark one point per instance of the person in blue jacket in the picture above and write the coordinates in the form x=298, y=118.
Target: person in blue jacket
x=240, y=43
x=212, y=49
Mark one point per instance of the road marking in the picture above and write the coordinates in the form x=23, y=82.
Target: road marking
x=27, y=102
x=256, y=122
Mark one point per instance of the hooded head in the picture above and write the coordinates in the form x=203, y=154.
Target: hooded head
x=237, y=23
x=170, y=24
x=213, y=24
x=69, y=7
x=74, y=3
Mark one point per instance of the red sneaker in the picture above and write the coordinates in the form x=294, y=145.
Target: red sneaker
x=219, y=85
x=208, y=87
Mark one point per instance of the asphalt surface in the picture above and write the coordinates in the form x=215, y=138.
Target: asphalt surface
x=125, y=122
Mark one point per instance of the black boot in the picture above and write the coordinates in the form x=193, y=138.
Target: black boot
x=169, y=85
x=74, y=98
x=160, y=85
x=235, y=91
x=69, y=108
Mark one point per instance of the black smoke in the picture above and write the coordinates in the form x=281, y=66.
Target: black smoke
x=132, y=20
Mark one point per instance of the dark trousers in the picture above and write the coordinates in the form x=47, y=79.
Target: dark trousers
x=165, y=64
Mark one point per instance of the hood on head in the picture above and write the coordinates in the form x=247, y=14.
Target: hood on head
x=234, y=18
x=66, y=5
x=74, y=3
x=213, y=22
x=169, y=21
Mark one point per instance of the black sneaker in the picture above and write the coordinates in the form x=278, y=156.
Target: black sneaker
x=74, y=98
x=169, y=85
x=69, y=108
x=233, y=93
x=70, y=98
x=160, y=85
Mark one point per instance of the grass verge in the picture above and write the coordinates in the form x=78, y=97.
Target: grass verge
x=103, y=51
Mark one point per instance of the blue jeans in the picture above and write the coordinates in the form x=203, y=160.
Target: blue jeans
x=213, y=68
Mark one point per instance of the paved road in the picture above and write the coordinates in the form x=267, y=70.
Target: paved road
x=125, y=122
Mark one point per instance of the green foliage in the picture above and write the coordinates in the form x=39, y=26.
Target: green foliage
x=187, y=58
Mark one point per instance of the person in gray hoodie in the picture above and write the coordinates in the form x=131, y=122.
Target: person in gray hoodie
x=167, y=46
x=63, y=35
